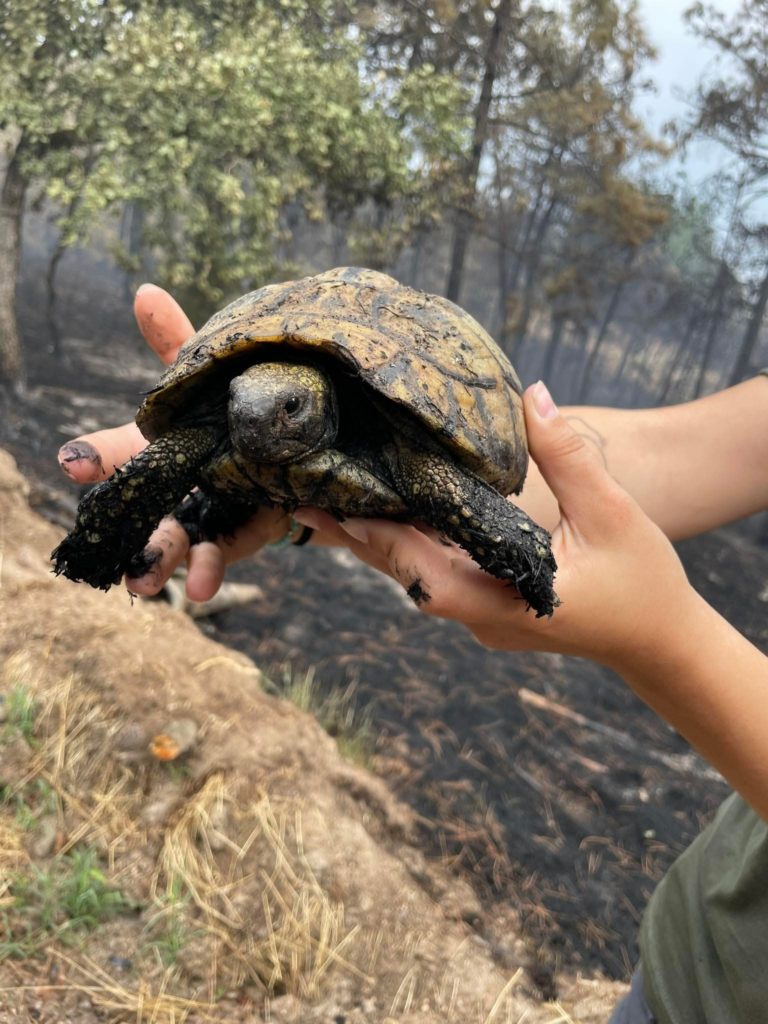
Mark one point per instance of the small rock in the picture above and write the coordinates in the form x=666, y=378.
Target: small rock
x=44, y=836
x=120, y=963
x=157, y=812
x=131, y=742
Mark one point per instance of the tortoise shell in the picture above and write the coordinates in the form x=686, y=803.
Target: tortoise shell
x=419, y=351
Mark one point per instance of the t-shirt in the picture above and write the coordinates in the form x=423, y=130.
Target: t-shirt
x=704, y=937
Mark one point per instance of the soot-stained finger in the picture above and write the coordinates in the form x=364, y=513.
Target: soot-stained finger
x=163, y=323
x=166, y=549
x=94, y=457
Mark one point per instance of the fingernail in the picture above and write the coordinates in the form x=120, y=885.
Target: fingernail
x=307, y=517
x=143, y=287
x=78, y=451
x=356, y=528
x=543, y=402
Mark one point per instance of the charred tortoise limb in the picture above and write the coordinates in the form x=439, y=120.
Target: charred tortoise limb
x=207, y=516
x=499, y=536
x=115, y=519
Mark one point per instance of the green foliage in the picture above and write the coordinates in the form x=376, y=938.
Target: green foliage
x=690, y=242
x=732, y=105
x=213, y=117
x=168, y=927
x=32, y=801
x=20, y=713
x=61, y=901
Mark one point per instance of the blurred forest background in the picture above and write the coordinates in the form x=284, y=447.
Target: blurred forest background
x=489, y=151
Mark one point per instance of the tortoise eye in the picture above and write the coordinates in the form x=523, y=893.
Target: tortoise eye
x=292, y=406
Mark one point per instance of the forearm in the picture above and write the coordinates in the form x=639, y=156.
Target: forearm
x=691, y=467
x=711, y=685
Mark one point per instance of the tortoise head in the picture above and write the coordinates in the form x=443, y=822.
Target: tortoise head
x=279, y=412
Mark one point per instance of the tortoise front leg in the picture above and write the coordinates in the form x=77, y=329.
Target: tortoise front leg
x=500, y=537
x=115, y=520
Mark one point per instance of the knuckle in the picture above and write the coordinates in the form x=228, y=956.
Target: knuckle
x=567, y=445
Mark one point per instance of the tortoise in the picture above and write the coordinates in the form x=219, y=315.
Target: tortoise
x=347, y=391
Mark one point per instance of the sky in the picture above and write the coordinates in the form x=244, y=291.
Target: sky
x=681, y=60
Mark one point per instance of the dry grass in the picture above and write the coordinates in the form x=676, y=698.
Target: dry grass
x=232, y=901
x=337, y=710
x=143, y=1004
x=73, y=753
x=298, y=937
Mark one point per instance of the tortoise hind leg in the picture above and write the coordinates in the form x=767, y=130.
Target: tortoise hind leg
x=500, y=537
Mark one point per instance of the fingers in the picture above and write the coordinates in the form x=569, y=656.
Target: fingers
x=166, y=550
x=440, y=579
x=94, y=457
x=163, y=323
x=205, y=570
x=208, y=561
x=584, y=489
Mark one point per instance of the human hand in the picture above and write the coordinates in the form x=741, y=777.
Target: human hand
x=620, y=582
x=94, y=457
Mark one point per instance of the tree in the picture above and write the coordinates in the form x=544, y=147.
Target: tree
x=213, y=116
x=494, y=53
x=571, y=151
x=733, y=110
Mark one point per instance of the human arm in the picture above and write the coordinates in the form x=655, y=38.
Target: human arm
x=691, y=467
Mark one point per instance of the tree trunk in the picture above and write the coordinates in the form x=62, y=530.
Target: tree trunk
x=417, y=248
x=553, y=349
x=610, y=313
x=580, y=333
x=532, y=266
x=678, y=358
x=50, y=282
x=509, y=285
x=751, y=335
x=717, y=299
x=466, y=215
x=12, y=190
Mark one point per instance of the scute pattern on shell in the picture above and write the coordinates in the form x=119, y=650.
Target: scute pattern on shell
x=415, y=349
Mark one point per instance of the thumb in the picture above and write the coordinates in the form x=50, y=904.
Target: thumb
x=571, y=468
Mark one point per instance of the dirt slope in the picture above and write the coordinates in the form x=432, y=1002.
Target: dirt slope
x=289, y=875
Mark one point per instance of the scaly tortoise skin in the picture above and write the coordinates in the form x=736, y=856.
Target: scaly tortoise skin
x=347, y=391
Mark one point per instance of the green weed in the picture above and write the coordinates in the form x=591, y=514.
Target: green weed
x=20, y=713
x=29, y=803
x=68, y=897
x=336, y=710
x=168, y=926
